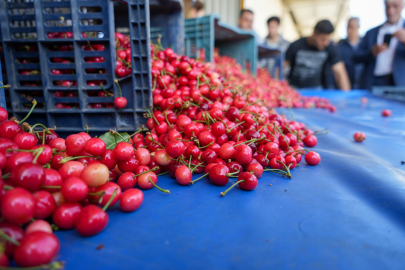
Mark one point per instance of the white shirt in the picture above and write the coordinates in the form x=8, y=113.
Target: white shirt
x=385, y=60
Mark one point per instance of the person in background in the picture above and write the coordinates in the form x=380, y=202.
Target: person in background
x=274, y=40
x=308, y=57
x=347, y=48
x=194, y=9
x=246, y=22
x=382, y=50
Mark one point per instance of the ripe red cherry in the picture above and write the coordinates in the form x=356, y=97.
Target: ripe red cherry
x=310, y=141
x=7, y=144
x=36, y=249
x=52, y=178
x=9, y=129
x=249, y=181
x=227, y=151
x=18, y=206
x=91, y=220
x=143, y=156
x=95, y=175
x=175, y=148
x=29, y=176
x=74, y=189
x=95, y=147
x=129, y=165
x=359, y=136
x=243, y=154
x=131, y=200
x=386, y=113
x=3, y=114
x=126, y=181
x=291, y=162
x=85, y=136
x=206, y=138
x=58, y=144
x=218, y=129
x=109, y=188
x=25, y=140
x=120, y=102
x=75, y=144
x=44, y=204
x=162, y=158
x=123, y=151
x=183, y=175
x=148, y=181
x=15, y=232
x=312, y=158
x=65, y=215
x=108, y=159
x=3, y=161
x=46, y=154
x=38, y=225
x=275, y=163
x=70, y=169
x=48, y=137
x=218, y=175
x=18, y=159
x=256, y=169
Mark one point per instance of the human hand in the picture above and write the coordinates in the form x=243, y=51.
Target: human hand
x=400, y=35
x=377, y=49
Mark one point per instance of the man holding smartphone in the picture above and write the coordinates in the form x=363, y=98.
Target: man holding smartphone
x=383, y=50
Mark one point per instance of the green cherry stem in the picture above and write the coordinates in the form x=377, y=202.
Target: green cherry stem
x=34, y=103
x=163, y=190
x=226, y=191
x=8, y=238
x=192, y=182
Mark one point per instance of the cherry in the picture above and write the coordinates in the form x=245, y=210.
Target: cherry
x=95, y=175
x=175, y=148
x=58, y=144
x=25, y=140
x=183, y=175
x=218, y=175
x=18, y=206
x=148, y=181
x=65, y=215
x=75, y=144
x=129, y=165
x=70, y=169
x=14, y=232
x=92, y=219
x=243, y=154
x=359, y=136
x=6, y=144
x=310, y=141
x=275, y=163
x=45, y=155
x=29, y=176
x=85, y=136
x=58, y=197
x=38, y=226
x=143, y=156
x=256, y=169
x=108, y=159
x=108, y=190
x=48, y=137
x=312, y=158
x=44, y=204
x=95, y=147
x=205, y=138
x=246, y=181
x=235, y=167
x=37, y=248
x=18, y=159
x=123, y=151
x=3, y=114
x=290, y=162
x=162, y=157
x=127, y=181
x=74, y=189
x=3, y=161
x=120, y=102
x=386, y=113
x=52, y=178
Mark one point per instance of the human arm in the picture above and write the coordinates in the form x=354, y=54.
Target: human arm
x=341, y=77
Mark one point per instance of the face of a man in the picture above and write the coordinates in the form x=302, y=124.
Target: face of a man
x=321, y=41
x=353, y=28
x=393, y=9
x=273, y=28
x=246, y=21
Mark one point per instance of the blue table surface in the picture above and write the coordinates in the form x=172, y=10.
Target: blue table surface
x=346, y=213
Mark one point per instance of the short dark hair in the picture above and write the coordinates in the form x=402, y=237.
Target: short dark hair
x=324, y=27
x=198, y=5
x=273, y=19
x=243, y=11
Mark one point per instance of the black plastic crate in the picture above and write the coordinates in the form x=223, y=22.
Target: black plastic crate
x=40, y=25
x=390, y=92
x=2, y=95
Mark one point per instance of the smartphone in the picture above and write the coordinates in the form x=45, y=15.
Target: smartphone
x=387, y=39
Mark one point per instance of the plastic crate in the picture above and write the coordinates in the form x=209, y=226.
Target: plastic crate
x=2, y=95
x=207, y=33
x=36, y=20
x=395, y=93
x=167, y=21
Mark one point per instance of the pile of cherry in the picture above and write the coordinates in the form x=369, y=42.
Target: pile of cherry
x=200, y=124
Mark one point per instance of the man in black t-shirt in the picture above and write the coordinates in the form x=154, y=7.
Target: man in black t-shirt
x=308, y=57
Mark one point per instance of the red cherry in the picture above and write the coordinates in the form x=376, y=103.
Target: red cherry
x=48, y=137
x=162, y=157
x=38, y=226
x=218, y=175
x=3, y=114
x=183, y=175
x=15, y=232
x=52, y=178
x=74, y=189
x=44, y=204
x=25, y=140
x=108, y=159
x=129, y=165
x=91, y=221
x=243, y=154
x=143, y=156
x=75, y=144
x=131, y=200
x=227, y=151
x=36, y=249
x=175, y=148
x=18, y=206
x=148, y=181
x=386, y=113
x=310, y=141
x=9, y=129
x=29, y=176
x=58, y=144
x=123, y=151
x=126, y=181
x=45, y=156
x=120, y=102
x=70, y=169
x=312, y=158
x=18, y=159
x=108, y=189
x=65, y=215
x=95, y=147
x=359, y=136
x=95, y=175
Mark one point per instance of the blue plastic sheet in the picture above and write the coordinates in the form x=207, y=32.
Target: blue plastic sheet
x=346, y=213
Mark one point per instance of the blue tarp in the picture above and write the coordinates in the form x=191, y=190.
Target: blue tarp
x=346, y=213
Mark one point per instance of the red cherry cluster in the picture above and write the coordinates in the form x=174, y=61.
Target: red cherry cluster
x=264, y=89
x=53, y=35
x=124, y=56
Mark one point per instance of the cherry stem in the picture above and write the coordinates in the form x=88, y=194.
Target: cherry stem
x=163, y=190
x=252, y=140
x=100, y=193
x=226, y=191
x=6, y=176
x=51, y=187
x=153, y=116
x=209, y=101
x=51, y=266
x=43, y=137
x=119, y=87
x=110, y=200
x=154, y=140
x=34, y=103
x=286, y=168
x=299, y=150
x=64, y=160
x=151, y=170
x=5, y=86
x=44, y=127
x=192, y=182
x=208, y=145
x=162, y=173
x=39, y=152
x=8, y=238
x=7, y=187
x=139, y=131
x=108, y=94
x=228, y=130
x=198, y=165
x=276, y=171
